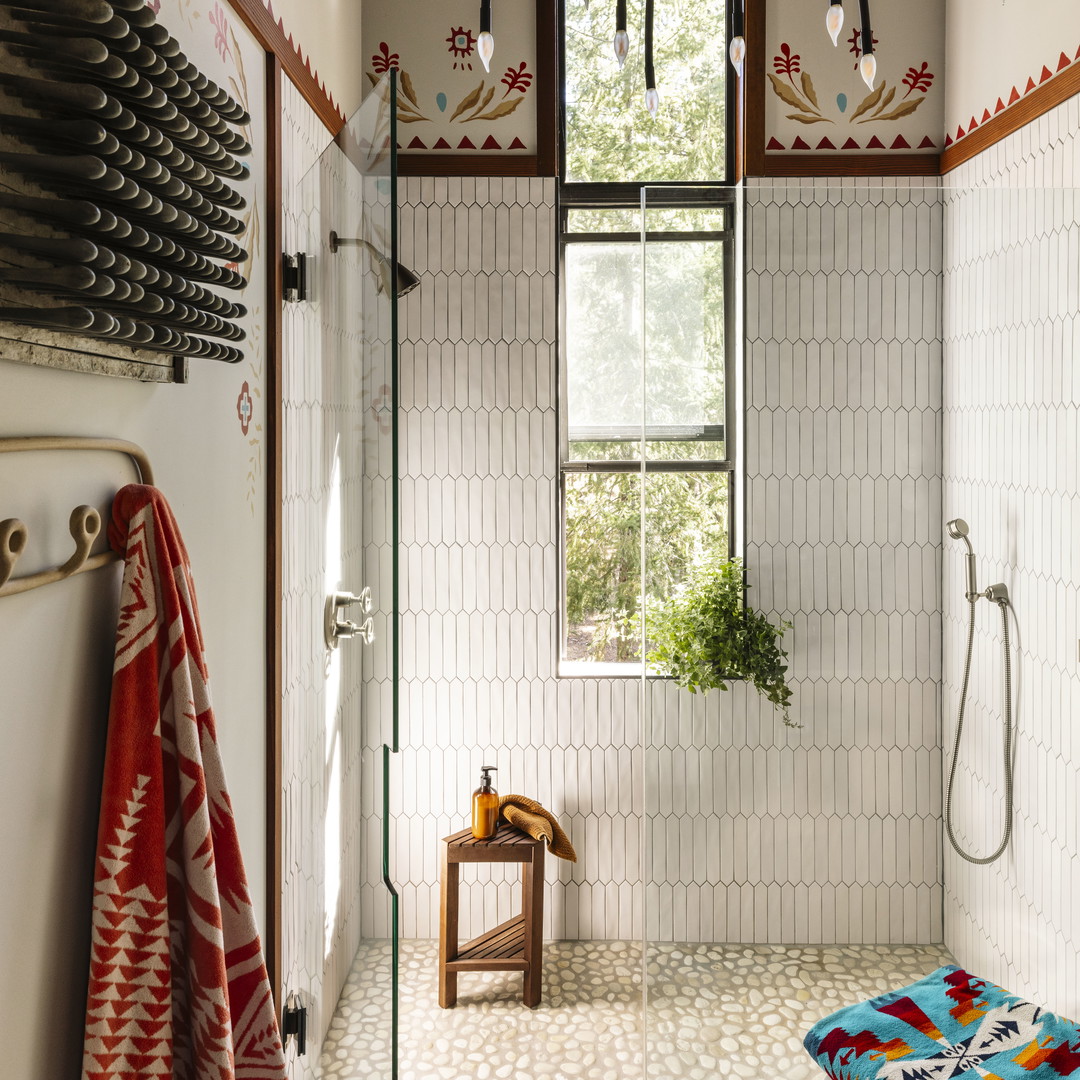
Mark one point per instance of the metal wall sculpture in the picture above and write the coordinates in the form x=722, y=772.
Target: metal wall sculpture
x=118, y=220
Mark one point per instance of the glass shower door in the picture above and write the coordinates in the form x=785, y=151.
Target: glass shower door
x=688, y=501
x=339, y=907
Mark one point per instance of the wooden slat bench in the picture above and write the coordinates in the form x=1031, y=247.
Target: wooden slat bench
x=515, y=945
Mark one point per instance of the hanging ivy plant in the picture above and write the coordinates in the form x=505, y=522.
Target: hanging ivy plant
x=704, y=636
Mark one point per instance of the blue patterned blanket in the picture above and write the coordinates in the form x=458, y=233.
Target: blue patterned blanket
x=950, y=1024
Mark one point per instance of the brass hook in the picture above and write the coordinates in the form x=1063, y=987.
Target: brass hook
x=12, y=544
x=84, y=526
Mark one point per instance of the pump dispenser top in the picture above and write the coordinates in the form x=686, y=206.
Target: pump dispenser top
x=485, y=806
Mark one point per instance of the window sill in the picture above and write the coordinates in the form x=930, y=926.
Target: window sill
x=583, y=669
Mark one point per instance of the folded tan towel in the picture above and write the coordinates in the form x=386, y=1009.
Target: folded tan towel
x=531, y=818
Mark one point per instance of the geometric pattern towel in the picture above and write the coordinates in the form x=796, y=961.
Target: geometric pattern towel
x=531, y=818
x=178, y=985
x=947, y=1025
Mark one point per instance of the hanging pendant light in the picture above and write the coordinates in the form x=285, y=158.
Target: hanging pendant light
x=652, y=98
x=621, y=43
x=868, y=61
x=834, y=20
x=485, y=43
x=737, y=48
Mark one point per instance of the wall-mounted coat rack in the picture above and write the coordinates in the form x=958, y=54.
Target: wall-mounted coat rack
x=84, y=524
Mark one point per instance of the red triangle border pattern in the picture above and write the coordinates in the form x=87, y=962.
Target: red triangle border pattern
x=1015, y=95
x=899, y=143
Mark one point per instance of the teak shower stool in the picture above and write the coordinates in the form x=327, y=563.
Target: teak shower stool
x=516, y=945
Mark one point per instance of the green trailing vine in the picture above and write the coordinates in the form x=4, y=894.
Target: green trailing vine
x=704, y=636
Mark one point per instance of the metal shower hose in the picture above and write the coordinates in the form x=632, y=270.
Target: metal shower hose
x=1004, y=605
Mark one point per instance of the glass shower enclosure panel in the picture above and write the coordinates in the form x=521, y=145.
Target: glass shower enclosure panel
x=337, y=896
x=688, y=448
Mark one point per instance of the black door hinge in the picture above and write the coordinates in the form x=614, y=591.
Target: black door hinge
x=294, y=277
x=294, y=1022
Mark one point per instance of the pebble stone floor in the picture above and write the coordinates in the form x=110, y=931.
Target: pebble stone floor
x=714, y=1011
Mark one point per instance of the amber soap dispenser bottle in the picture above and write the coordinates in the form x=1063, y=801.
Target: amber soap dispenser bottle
x=485, y=806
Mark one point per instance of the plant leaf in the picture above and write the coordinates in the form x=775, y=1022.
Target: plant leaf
x=410, y=119
x=468, y=102
x=373, y=77
x=786, y=94
x=906, y=109
x=809, y=119
x=885, y=100
x=407, y=86
x=808, y=89
x=869, y=102
x=504, y=108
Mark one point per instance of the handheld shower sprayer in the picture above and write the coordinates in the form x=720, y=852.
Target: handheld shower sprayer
x=998, y=594
x=958, y=530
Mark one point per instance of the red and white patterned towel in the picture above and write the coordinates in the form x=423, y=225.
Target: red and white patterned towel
x=178, y=985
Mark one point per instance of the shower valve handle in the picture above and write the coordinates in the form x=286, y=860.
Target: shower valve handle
x=336, y=626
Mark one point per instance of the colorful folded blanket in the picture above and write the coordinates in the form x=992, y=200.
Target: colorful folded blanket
x=532, y=819
x=950, y=1024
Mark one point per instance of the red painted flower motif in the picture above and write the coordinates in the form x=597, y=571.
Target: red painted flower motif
x=461, y=44
x=384, y=59
x=788, y=63
x=517, y=79
x=856, y=44
x=221, y=31
x=920, y=79
x=245, y=407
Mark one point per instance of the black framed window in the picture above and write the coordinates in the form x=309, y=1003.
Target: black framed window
x=648, y=227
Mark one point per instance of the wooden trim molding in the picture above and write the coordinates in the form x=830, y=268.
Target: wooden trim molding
x=754, y=90
x=468, y=165
x=272, y=37
x=851, y=165
x=1040, y=100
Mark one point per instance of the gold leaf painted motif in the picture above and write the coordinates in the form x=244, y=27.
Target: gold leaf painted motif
x=468, y=102
x=886, y=100
x=504, y=108
x=869, y=102
x=906, y=109
x=787, y=95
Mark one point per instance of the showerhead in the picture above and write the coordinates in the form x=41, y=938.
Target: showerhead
x=957, y=528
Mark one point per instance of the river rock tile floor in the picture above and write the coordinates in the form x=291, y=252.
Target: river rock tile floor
x=713, y=1011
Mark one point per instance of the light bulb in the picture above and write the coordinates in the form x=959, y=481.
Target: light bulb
x=868, y=68
x=622, y=46
x=737, y=52
x=834, y=21
x=652, y=100
x=485, y=48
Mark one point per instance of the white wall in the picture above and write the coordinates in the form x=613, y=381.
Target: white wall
x=1011, y=417
x=56, y=642
x=328, y=34
x=994, y=47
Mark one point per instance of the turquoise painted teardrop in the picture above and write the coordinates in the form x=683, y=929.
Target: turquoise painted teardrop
x=440, y=100
x=841, y=101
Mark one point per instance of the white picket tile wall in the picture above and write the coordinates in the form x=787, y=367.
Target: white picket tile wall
x=843, y=540
x=754, y=833
x=1012, y=470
